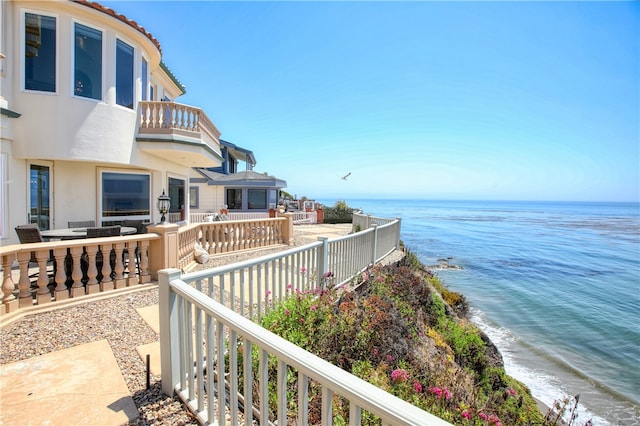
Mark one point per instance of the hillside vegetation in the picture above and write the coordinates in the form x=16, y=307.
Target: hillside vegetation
x=400, y=329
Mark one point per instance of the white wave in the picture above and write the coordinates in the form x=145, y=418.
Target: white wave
x=544, y=386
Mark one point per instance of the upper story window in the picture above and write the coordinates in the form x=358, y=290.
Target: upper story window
x=87, y=78
x=40, y=52
x=124, y=74
x=145, y=81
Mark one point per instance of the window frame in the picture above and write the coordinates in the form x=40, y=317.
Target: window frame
x=102, y=60
x=230, y=202
x=4, y=212
x=133, y=73
x=194, y=197
x=23, y=51
x=144, y=78
x=101, y=217
x=264, y=192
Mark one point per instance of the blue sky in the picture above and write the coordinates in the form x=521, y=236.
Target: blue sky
x=433, y=100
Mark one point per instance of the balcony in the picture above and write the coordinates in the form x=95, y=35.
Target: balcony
x=180, y=133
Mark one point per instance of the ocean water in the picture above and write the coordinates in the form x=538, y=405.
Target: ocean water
x=556, y=286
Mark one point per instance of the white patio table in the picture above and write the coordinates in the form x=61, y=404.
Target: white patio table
x=77, y=233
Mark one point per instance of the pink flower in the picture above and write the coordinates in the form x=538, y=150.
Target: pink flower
x=483, y=416
x=328, y=274
x=493, y=419
x=287, y=312
x=466, y=415
x=512, y=391
x=399, y=375
x=389, y=358
x=303, y=270
x=268, y=293
x=440, y=392
x=436, y=391
x=375, y=351
x=379, y=278
x=289, y=286
x=314, y=307
x=417, y=387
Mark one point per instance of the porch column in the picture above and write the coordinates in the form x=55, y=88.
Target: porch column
x=163, y=252
x=287, y=229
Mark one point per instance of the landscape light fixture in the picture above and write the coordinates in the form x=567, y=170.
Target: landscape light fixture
x=163, y=205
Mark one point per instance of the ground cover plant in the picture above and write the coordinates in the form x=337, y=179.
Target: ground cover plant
x=402, y=330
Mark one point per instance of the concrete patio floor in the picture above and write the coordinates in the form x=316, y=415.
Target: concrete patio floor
x=79, y=385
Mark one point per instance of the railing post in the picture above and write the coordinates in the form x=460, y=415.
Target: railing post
x=169, y=337
x=9, y=301
x=323, y=261
x=398, y=228
x=164, y=252
x=374, y=248
x=287, y=229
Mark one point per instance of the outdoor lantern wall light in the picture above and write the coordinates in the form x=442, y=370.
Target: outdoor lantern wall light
x=164, y=203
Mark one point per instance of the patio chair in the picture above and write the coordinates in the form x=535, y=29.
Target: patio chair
x=31, y=234
x=81, y=224
x=99, y=232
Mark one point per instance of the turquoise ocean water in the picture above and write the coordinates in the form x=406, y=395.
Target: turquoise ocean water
x=556, y=286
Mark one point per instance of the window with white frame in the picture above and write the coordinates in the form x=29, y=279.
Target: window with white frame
x=3, y=196
x=125, y=195
x=39, y=52
x=87, y=78
x=145, y=78
x=124, y=74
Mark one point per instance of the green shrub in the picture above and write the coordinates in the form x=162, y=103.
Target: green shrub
x=339, y=213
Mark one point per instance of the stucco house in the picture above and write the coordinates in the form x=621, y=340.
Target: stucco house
x=233, y=189
x=90, y=129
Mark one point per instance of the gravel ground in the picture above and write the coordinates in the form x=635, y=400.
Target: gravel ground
x=117, y=321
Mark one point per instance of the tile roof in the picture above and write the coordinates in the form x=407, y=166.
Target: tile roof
x=113, y=13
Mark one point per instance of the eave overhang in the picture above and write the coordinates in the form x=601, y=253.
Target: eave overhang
x=190, y=152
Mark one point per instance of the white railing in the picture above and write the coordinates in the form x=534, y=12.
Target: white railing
x=205, y=320
x=205, y=347
x=305, y=217
x=363, y=221
x=204, y=217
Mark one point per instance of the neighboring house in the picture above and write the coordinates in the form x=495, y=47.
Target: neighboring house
x=89, y=129
x=226, y=186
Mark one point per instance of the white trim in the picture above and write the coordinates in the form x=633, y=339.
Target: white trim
x=49, y=165
x=4, y=232
x=103, y=78
x=115, y=73
x=23, y=67
x=100, y=172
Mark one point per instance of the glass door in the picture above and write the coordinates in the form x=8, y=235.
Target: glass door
x=39, y=192
x=176, y=194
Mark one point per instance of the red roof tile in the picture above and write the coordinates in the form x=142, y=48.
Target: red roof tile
x=122, y=18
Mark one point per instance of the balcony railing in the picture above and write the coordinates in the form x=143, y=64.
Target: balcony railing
x=206, y=332
x=74, y=268
x=176, y=120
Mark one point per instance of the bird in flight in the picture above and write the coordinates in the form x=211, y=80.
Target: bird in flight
x=346, y=176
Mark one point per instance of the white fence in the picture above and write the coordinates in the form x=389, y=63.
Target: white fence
x=206, y=327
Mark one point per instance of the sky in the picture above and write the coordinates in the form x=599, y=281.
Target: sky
x=420, y=100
